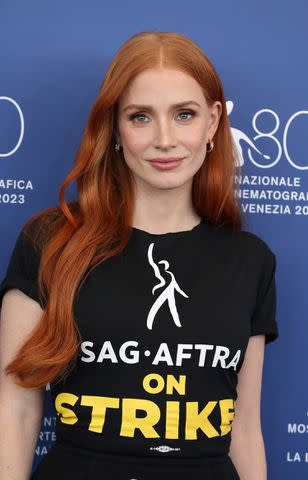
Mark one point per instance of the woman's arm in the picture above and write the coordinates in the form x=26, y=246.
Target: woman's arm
x=21, y=408
x=247, y=447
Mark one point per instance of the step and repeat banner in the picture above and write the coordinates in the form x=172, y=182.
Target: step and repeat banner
x=53, y=59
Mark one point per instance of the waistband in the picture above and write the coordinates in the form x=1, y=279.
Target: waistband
x=114, y=458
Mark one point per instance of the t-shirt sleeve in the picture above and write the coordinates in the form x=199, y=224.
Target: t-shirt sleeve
x=263, y=320
x=22, y=269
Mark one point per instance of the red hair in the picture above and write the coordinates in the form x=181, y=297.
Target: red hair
x=74, y=237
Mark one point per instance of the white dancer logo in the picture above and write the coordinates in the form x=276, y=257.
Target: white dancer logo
x=238, y=135
x=167, y=294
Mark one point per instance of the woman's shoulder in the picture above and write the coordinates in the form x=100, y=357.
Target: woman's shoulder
x=247, y=242
x=257, y=244
x=39, y=227
x=47, y=216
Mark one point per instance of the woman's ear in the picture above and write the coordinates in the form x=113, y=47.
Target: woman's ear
x=215, y=114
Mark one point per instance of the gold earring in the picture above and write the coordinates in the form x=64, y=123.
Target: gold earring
x=211, y=146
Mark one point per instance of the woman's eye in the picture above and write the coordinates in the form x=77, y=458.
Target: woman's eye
x=137, y=116
x=186, y=113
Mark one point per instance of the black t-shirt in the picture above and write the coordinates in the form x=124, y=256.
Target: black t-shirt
x=165, y=326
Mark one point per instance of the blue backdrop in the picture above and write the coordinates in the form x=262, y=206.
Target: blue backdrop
x=53, y=63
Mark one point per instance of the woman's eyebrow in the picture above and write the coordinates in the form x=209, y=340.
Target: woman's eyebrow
x=150, y=108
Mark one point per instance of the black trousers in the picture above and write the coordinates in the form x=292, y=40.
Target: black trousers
x=64, y=462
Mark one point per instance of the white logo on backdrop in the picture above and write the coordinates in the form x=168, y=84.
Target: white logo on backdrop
x=238, y=136
x=22, y=126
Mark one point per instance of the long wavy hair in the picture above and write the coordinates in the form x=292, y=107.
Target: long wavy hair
x=74, y=237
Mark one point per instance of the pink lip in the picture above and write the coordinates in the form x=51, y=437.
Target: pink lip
x=166, y=159
x=166, y=163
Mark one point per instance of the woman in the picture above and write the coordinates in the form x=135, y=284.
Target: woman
x=143, y=303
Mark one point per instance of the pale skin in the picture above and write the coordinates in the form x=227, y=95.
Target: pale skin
x=21, y=409
x=155, y=127
x=163, y=204
x=163, y=199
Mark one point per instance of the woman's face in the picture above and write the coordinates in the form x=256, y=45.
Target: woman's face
x=163, y=114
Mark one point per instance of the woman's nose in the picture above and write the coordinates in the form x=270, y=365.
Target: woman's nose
x=164, y=134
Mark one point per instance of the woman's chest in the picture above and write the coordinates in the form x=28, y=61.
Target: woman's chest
x=194, y=305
